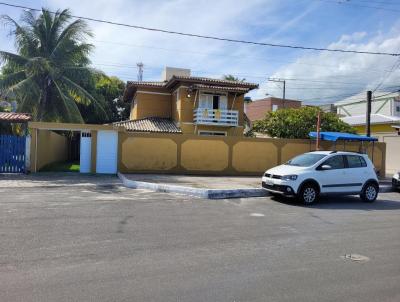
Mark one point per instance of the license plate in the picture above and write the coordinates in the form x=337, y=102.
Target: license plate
x=269, y=182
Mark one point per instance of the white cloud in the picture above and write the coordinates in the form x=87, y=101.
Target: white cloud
x=325, y=77
x=155, y=50
x=118, y=49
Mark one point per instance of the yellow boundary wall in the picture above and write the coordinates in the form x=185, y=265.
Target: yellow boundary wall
x=192, y=154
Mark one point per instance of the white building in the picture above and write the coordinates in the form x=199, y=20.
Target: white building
x=385, y=114
x=383, y=103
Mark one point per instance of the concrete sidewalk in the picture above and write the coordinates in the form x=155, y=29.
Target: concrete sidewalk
x=211, y=187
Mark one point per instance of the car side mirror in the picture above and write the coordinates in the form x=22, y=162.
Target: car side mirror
x=326, y=167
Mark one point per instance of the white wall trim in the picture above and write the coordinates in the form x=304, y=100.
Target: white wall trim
x=150, y=92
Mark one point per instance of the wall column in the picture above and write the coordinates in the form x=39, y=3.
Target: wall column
x=93, y=151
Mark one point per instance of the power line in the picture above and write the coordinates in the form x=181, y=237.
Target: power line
x=211, y=37
x=375, y=2
x=241, y=57
x=361, y=5
x=394, y=67
x=337, y=84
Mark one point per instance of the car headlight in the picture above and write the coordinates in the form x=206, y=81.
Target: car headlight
x=289, y=177
x=396, y=176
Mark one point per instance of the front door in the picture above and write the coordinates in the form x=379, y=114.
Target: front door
x=85, y=156
x=336, y=178
x=107, y=152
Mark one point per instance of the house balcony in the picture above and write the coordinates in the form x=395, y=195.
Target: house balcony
x=216, y=117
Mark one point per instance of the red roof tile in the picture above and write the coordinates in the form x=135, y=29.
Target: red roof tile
x=14, y=117
x=150, y=124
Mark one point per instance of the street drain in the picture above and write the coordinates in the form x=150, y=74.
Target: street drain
x=257, y=215
x=355, y=257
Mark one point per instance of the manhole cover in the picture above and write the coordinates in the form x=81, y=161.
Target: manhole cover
x=355, y=257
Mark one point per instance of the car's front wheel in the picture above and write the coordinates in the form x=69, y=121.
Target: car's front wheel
x=369, y=192
x=308, y=194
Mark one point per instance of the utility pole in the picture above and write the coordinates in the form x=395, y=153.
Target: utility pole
x=318, y=129
x=368, y=117
x=284, y=88
x=140, y=71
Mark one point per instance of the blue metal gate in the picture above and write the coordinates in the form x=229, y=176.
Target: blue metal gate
x=12, y=154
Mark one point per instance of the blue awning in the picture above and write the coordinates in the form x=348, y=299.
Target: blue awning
x=335, y=136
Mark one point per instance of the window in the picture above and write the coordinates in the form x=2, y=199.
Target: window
x=397, y=108
x=274, y=107
x=336, y=162
x=305, y=160
x=212, y=133
x=213, y=101
x=355, y=161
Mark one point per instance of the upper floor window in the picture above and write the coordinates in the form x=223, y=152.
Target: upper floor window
x=213, y=101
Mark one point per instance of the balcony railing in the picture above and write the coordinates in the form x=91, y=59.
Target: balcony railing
x=216, y=117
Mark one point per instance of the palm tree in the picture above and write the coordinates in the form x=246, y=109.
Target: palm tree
x=230, y=77
x=48, y=73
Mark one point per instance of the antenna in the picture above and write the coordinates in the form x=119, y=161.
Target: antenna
x=140, y=71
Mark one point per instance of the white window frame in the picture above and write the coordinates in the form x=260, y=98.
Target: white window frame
x=203, y=133
x=211, y=93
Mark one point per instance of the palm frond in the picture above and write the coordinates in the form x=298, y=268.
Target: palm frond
x=25, y=41
x=25, y=86
x=76, y=31
x=11, y=79
x=13, y=59
x=76, y=90
x=69, y=106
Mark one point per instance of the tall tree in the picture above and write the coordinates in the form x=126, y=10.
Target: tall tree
x=297, y=123
x=108, y=91
x=230, y=77
x=48, y=73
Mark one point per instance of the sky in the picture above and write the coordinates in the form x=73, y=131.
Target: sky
x=312, y=76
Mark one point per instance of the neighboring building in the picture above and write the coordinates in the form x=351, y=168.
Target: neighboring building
x=380, y=124
x=328, y=108
x=182, y=103
x=383, y=103
x=257, y=109
x=385, y=115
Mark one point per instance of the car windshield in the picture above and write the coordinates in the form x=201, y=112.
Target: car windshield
x=305, y=160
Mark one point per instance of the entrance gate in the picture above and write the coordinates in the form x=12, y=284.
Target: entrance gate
x=12, y=154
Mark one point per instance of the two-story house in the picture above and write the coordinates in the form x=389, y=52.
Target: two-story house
x=181, y=103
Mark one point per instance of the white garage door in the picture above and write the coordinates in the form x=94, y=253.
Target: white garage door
x=86, y=152
x=107, y=146
x=392, y=154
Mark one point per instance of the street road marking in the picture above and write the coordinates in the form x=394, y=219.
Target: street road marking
x=257, y=215
x=355, y=257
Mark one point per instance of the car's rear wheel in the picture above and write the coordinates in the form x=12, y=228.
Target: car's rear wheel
x=308, y=194
x=369, y=192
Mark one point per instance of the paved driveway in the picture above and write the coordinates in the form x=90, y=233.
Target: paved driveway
x=93, y=240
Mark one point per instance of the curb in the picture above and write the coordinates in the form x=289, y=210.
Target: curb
x=386, y=189
x=203, y=193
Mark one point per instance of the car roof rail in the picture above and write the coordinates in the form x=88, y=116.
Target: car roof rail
x=333, y=152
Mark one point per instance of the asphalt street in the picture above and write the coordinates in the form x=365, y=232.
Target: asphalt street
x=98, y=241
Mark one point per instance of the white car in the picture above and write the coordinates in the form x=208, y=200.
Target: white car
x=323, y=172
x=396, y=181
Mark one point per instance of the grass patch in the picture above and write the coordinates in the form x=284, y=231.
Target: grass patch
x=65, y=166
